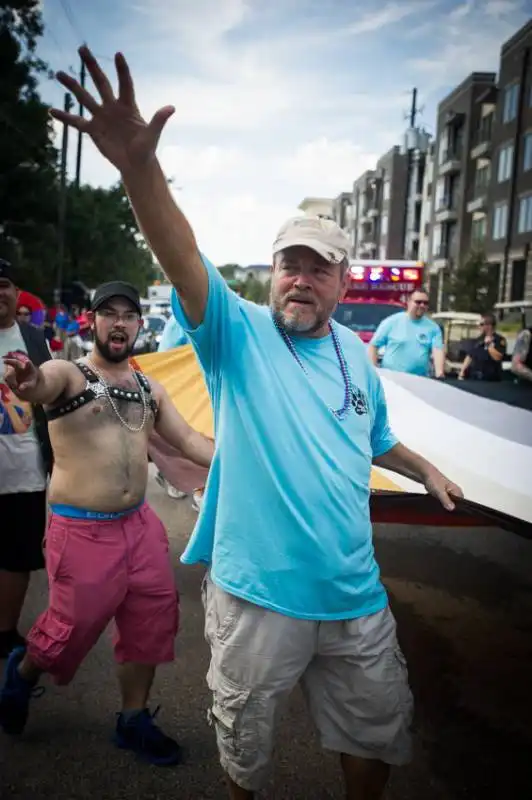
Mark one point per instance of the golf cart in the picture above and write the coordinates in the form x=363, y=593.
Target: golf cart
x=459, y=328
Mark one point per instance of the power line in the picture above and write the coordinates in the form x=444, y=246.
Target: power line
x=65, y=5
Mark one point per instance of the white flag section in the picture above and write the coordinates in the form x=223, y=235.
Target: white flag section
x=483, y=445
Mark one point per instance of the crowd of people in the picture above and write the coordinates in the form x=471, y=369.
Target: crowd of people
x=292, y=591
x=411, y=342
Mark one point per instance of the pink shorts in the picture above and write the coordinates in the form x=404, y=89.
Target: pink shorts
x=100, y=570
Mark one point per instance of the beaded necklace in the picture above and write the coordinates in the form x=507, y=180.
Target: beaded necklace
x=340, y=413
x=107, y=393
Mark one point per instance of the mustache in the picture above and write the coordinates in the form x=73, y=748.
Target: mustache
x=303, y=298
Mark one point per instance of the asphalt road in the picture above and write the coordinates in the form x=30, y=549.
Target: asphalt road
x=463, y=600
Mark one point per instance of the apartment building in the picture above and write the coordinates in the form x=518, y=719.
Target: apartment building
x=379, y=208
x=417, y=146
x=505, y=142
x=342, y=213
x=452, y=231
x=425, y=217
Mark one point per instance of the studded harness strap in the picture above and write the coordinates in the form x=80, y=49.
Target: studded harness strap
x=95, y=388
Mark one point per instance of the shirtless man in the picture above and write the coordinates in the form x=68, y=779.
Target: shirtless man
x=106, y=550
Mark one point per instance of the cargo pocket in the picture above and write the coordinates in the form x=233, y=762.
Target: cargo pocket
x=50, y=636
x=54, y=550
x=222, y=612
x=234, y=720
x=404, y=695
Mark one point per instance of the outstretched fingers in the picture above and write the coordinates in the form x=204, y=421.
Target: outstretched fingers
x=99, y=78
x=159, y=120
x=82, y=95
x=73, y=120
x=126, y=89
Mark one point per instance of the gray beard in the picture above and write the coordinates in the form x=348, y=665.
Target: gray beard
x=291, y=325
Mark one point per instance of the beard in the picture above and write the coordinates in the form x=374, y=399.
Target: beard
x=304, y=320
x=104, y=349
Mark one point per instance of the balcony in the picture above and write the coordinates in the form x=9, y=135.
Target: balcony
x=446, y=210
x=482, y=149
x=482, y=140
x=441, y=258
x=451, y=161
x=479, y=201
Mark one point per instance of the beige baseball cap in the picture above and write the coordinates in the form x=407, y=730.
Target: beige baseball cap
x=322, y=235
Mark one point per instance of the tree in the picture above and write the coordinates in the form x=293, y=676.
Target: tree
x=227, y=271
x=102, y=239
x=473, y=285
x=255, y=290
x=28, y=175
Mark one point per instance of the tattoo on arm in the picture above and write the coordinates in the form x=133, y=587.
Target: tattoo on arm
x=522, y=345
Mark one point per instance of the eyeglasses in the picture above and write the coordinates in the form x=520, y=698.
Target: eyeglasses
x=129, y=317
x=421, y=302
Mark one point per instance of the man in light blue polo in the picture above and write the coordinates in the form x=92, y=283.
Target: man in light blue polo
x=410, y=340
x=293, y=591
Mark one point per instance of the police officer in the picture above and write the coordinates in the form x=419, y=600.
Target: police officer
x=484, y=362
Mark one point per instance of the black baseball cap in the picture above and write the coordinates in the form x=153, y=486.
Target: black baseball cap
x=116, y=289
x=6, y=270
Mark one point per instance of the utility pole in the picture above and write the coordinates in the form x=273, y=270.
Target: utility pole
x=409, y=193
x=62, y=204
x=413, y=108
x=82, y=78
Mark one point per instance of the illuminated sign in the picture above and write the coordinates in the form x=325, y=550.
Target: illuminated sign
x=395, y=275
x=411, y=274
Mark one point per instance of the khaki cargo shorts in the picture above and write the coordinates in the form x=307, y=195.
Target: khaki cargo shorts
x=352, y=672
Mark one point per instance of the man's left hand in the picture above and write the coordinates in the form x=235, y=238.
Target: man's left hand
x=443, y=489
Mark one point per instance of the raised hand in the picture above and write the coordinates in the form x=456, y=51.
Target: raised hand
x=117, y=127
x=20, y=374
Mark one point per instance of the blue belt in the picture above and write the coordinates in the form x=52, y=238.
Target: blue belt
x=82, y=513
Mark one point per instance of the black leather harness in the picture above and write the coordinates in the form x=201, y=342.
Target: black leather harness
x=95, y=388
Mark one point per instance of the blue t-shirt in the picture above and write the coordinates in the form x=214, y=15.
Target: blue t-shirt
x=407, y=343
x=173, y=336
x=285, y=518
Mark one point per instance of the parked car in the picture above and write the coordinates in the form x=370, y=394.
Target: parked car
x=153, y=328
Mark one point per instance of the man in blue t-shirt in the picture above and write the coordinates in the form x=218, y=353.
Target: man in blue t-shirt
x=293, y=590
x=410, y=340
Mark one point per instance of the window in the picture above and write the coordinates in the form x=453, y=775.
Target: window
x=500, y=221
x=386, y=190
x=436, y=240
x=524, y=222
x=511, y=98
x=482, y=179
x=440, y=193
x=518, y=280
x=506, y=157
x=443, y=145
x=384, y=225
x=527, y=151
x=478, y=231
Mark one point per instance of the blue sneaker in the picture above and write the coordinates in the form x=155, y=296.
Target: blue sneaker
x=15, y=695
x=140, y=734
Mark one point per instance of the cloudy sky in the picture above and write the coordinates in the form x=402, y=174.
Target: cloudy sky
x=276, y=103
